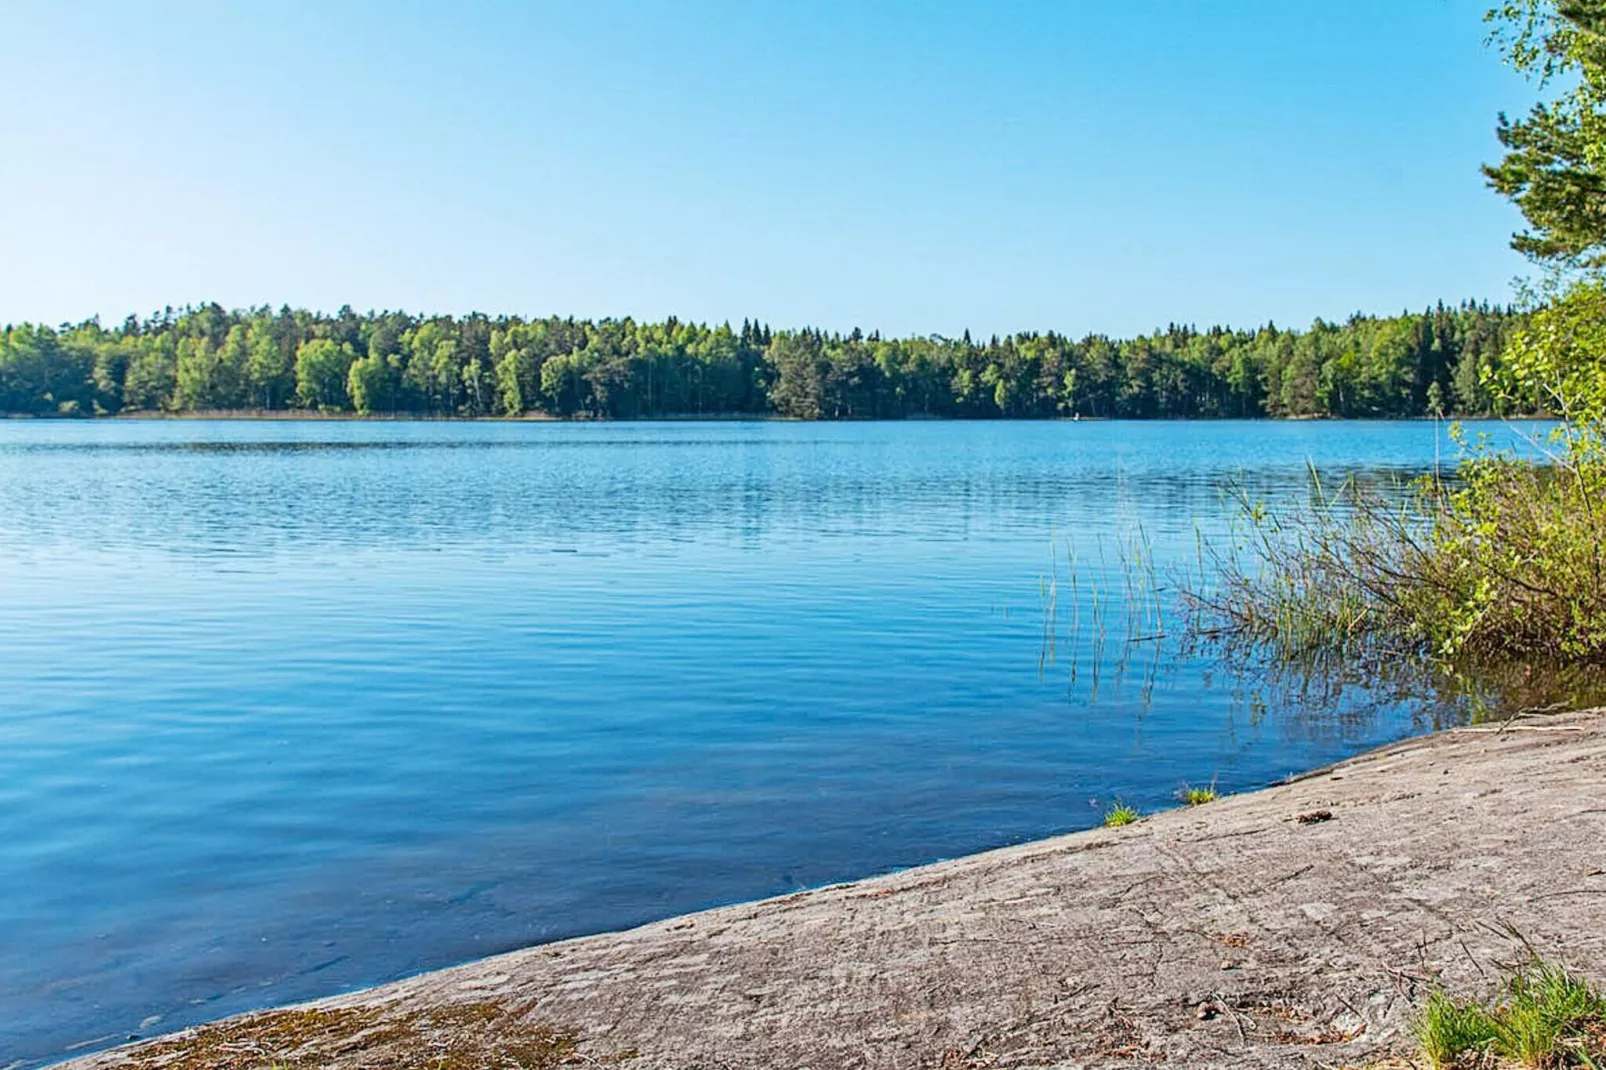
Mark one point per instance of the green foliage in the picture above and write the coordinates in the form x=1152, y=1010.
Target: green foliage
x=1557, y=362
x=322, y=368
x=1120, y=814
x=1554, y=169
x=368, y=385
x=1518, y=547
x=1194, y=796
x=801, y=369
x=1514, y=562
x=1547, y=1017
x=1448, y=1029
x=206, y=358
x=1505, y=558
x=1546, y=1012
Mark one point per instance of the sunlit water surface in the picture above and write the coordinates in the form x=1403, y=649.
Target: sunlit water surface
x=290, y=708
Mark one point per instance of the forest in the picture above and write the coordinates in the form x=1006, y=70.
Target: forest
x=207, y=359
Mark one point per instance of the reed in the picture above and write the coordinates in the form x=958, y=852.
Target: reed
x=1096, y=608
x=1502, y=559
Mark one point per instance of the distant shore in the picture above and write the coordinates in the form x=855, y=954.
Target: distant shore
x=311, y=415
x=1306, y=920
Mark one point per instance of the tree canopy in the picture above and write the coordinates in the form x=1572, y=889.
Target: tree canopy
x=1554, y=168
x=207, y=359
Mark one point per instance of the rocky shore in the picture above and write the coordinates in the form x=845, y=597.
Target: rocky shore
x=1295, y=926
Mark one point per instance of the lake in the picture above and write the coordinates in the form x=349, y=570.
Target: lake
x=288, y=708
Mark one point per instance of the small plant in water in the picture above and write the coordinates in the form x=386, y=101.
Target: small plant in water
x=1198, y=796
x=1120, y=814
x=1548, y=1017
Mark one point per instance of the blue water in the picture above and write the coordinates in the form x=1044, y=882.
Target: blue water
x=290, y=708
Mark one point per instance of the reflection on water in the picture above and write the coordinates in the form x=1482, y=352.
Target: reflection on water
x=291, y=708
x=354, y=445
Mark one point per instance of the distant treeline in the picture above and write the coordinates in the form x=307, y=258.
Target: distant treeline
x=207, y=359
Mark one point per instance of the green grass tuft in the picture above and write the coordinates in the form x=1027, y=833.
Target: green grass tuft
x=1198, y=796
x=1549, y=1017
x=1448, y=1029
x=1546, y=1014
x=1120, y=814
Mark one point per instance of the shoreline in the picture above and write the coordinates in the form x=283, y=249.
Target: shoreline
x=1250, y=932
x=313, y=416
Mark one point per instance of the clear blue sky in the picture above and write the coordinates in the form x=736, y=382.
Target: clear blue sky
x=914, y=166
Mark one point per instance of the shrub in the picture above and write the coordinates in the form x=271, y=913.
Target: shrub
x=1504, y=558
